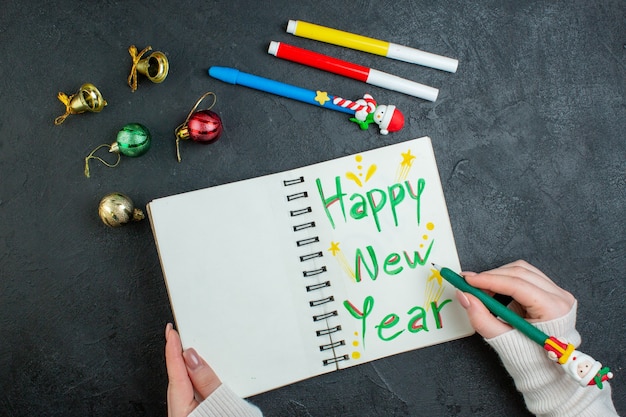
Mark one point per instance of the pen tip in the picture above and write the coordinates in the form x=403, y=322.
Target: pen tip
x=437, y=267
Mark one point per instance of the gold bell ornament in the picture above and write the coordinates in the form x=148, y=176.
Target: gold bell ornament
x=155, y=66
x=117, y=209
x=88, y=98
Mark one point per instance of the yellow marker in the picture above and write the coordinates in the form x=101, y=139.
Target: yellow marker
x=371, y=45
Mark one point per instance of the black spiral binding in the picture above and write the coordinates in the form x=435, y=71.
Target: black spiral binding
x=314, y=272
x=298, y=199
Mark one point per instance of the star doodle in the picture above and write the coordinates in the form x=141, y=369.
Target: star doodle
x=435, y=275
x=334, y=248
x=407, y=158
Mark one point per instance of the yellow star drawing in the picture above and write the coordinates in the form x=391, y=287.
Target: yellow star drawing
x=334, y=248
x=405, y=166
x=322, y=97
x=435, y=275
x=407, y=158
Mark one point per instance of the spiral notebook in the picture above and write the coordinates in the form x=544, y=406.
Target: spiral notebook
x=288, y=276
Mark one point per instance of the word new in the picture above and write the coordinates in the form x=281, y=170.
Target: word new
x=391, y=265
x=373, y=202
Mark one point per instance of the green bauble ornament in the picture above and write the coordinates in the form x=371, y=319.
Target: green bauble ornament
x=117, y=209
x=132, y=140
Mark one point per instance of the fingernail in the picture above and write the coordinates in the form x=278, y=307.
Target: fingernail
x=168, y=327
x=192, y=359
x=468, y=273
x=462, y=299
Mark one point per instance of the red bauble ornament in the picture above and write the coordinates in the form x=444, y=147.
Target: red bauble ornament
x=202, y=126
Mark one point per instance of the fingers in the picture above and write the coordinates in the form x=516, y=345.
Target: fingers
x=480, y=318
x=528, y=272
x=180, y=395
x=538, y=295
x=176, y=369
x=202, y=376
x=187, y=372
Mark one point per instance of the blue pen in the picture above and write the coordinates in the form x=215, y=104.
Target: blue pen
x=364, y=111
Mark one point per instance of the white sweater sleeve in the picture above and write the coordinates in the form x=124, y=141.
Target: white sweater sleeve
x=548, y=391
x=225, y=403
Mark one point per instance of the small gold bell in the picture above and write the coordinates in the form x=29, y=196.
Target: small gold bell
x=88, y=98
x=155, y=66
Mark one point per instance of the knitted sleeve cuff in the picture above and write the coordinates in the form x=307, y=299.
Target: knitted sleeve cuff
x=547, y=389
x=225, y=403
x=526, y=361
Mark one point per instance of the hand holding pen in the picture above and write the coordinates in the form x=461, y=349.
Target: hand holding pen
x=536, y=299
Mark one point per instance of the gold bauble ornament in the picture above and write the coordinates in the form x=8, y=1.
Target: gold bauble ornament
x=117, y=209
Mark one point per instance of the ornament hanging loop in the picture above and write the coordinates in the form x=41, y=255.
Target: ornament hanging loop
x=182, y=131
x=92, y=156
x=205, y=95
x=88, y=98
x=155, y=66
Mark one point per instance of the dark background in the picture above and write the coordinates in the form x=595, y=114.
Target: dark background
x=528, y=134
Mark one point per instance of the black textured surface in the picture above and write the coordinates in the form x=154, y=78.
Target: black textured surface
x=529, y=135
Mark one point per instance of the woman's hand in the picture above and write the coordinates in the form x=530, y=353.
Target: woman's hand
x=536, y=297
x=191, y=379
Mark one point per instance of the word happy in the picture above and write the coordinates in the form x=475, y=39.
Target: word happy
x=372, y=204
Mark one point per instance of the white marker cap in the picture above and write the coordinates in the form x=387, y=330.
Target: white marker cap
x=273, y=48
x=291, y=26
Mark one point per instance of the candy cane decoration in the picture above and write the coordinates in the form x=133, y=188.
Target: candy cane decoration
x=366, y=103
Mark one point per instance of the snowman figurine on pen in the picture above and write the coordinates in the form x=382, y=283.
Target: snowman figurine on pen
x=387, y=117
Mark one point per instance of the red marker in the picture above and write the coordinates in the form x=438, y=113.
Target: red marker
x=350, y=70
